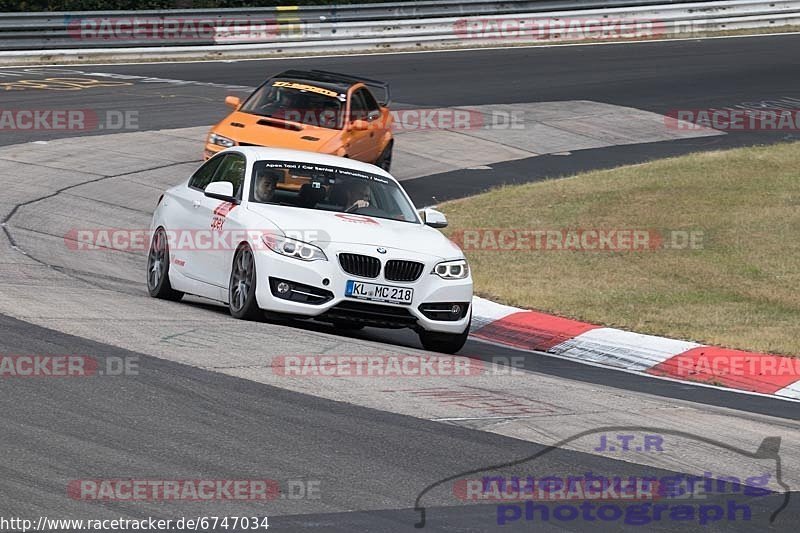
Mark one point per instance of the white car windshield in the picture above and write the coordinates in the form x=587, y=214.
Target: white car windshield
x=329, y=188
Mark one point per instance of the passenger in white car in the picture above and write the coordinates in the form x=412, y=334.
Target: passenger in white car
x=266, y=181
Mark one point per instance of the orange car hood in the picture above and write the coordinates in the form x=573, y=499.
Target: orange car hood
x=272, y=132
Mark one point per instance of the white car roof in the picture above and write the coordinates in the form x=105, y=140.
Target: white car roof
x=259, y=153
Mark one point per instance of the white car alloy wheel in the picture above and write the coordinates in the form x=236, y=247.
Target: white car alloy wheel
x=242, y=291
x=158, y=284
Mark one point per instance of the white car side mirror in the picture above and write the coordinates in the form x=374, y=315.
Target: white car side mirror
x=434, y=218
x=221, y=190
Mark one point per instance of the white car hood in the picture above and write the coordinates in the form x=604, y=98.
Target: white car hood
x=325, y=227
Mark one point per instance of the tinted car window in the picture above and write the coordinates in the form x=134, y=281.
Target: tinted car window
x=205, y=173
x=358, y=106
x=369, y=100
x=231, y=169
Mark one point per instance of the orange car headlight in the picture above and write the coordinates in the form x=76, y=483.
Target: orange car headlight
x=219, y=140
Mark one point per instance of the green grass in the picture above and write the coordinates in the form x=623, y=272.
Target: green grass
x=740, y=289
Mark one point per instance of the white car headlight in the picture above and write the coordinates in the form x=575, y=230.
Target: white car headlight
x=293, y=248
x=219, y=140
x=458, y=269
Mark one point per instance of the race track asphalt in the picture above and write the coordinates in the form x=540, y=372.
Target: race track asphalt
x=177, y=421
x=171, y=421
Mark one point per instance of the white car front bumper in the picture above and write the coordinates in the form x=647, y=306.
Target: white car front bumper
x=326, y=282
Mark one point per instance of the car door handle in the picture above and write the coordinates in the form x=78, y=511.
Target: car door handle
x=196, y=204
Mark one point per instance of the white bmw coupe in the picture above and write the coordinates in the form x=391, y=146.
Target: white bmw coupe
x=309, y=235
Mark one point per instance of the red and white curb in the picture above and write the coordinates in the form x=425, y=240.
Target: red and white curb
x=659, y=356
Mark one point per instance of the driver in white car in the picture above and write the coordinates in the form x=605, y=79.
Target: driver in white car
x=358, y=196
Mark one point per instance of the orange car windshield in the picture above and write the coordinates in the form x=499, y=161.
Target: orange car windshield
x=296, y=102
x=328, y=188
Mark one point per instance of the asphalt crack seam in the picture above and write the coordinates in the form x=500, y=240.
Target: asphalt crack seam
x=72, y=273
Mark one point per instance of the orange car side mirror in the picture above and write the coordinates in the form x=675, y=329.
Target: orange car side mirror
x=359, y=125
x=233, y=101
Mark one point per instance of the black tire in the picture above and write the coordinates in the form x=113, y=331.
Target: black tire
x=443, y=342
x=158, y=269
x=242, y=286
x=384, y=160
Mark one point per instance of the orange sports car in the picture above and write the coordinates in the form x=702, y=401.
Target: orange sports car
x=314, y=110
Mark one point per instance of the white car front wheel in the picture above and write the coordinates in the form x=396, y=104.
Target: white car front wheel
x=242, y=288
x=444, y=342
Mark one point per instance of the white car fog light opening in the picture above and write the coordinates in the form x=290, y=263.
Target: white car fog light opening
x=458, y=269
x=283, y=287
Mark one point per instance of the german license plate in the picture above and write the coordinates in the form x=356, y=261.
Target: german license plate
x=378, y=293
